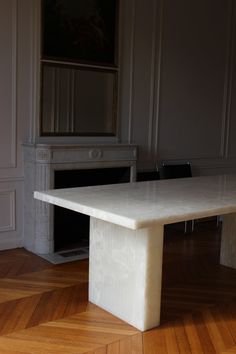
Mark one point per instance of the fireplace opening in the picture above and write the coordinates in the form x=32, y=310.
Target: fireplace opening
x=71, y=229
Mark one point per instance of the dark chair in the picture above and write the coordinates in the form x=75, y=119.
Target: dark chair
x=181, y=170
x=176, y=171
x=147, y=176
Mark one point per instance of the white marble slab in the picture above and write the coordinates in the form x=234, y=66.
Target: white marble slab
x=142, y=204
x=126, y=244
x=125, y=272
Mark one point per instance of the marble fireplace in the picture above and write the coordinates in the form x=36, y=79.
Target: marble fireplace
x=41, y=164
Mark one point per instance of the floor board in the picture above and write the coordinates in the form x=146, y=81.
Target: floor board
x=44, y=307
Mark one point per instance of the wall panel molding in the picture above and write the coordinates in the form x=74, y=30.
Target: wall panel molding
x=131, y=78
x=152, y=82
x=127, y=18
x=146, y=65
x=14, y=83
x=157, y=88
x=7, y=207
x=11, y=179
x=35, y=39
x=227, y=101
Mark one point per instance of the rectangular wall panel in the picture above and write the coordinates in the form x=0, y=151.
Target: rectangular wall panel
x=8, y=45
x=7, y=210
x=11, y=214
x=15, y=67
x=194, y=52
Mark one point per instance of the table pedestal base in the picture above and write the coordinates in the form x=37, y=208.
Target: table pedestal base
x=125, y=272
x=228, y=241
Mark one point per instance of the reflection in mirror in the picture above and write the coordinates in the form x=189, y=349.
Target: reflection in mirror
x=78, y=101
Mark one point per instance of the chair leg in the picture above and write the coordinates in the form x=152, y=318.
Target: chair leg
x=193, y=224
x=185, y=227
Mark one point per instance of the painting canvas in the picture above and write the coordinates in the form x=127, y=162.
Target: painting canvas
x=80, y=30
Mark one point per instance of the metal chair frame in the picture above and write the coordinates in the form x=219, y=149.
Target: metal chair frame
x=185, y=174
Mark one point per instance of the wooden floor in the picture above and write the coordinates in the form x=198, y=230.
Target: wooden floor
x=44, y=308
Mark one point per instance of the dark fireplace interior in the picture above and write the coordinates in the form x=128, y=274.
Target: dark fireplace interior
x=71, y=229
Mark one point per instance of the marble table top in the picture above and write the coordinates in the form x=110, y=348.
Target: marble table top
x=143, y=204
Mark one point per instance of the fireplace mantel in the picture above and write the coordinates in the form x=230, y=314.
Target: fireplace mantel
x=40, y=163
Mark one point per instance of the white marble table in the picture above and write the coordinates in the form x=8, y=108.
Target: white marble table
x=126, y=236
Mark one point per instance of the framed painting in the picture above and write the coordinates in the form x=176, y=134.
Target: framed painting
x=82, y=31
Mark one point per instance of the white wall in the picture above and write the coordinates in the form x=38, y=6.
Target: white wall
x=181, y=83
x=177, y=92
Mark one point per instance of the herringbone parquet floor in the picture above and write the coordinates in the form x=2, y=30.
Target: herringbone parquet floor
x=44, y=308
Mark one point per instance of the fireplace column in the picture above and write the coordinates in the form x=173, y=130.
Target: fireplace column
x=38, y=232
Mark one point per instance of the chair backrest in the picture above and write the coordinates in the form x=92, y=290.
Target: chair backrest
x=176, y=170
